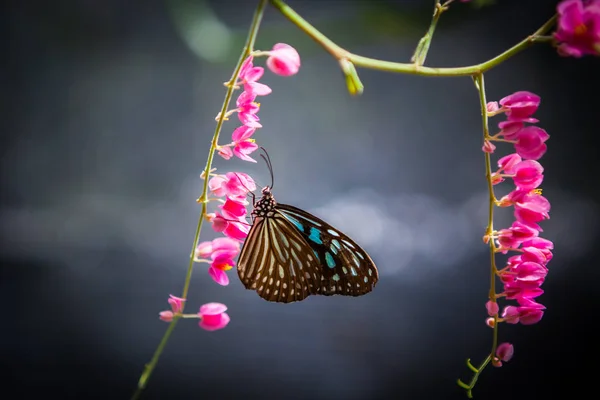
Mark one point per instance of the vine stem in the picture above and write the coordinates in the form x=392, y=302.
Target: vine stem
x=365, y=62
x=480, y=84
x=423, y=46
x=248, y=47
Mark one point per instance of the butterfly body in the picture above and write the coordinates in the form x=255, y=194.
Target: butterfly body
x=290, y=254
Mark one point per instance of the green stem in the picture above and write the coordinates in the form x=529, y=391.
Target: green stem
x=258, y=14
x=480, y=83
x=475, y=377
x=423, y=47
x=372, y=63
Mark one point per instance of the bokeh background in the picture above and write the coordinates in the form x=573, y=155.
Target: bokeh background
x=107, y=113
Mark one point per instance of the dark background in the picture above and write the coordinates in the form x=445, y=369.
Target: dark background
x=107, y=113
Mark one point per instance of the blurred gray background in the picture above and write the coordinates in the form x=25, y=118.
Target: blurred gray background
x=107, y=113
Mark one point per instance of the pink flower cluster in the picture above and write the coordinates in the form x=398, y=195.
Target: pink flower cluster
x=578, y=31
x=234, y=186
x=283, y=60
x=212, y=315
x=525, y=272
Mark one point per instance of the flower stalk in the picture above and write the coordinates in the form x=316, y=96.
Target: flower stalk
x=203, y=199
x=340, y=53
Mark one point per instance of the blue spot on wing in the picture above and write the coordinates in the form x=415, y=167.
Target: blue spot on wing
x=294, y=221
x=329, y=260
x=315, y=236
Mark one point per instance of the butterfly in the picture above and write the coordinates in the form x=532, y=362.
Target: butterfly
x=290, y=254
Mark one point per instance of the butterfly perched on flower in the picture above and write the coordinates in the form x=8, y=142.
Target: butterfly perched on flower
x=290, y=254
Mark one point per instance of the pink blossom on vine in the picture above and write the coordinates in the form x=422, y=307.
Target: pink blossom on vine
x=176, y=308
x=534, y=255
x=235, y=229
x=520, y=106
x=530, y=206
x=513, y=291
x=488, y=147
x=283, y=60
x=530, y=271
x=221, y=251
x=510, y=129
x=527, y=313
x=507, y=163
x=578, y=29
x=530, y=142
x=247, y=109
x=244, y=145
x=225, y=152
x=213, y=316
x=249, y=76
x=166, y=316
x=492, y=107
x=512, y=237
x=528, y=174
x=234, y=208
x=176, y=303
x=492, y=308
x=505, y=351
x=231, y=184
x=542, y=244
x=218, y=245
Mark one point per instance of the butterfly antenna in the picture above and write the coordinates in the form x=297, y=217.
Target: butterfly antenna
x=269, y=165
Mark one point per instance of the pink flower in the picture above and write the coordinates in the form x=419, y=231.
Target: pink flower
x=166, y=316
x=206, y=249
x=528, y=174
x=283, y=60
x=520, y=105
x=534, y=255
x=234, y=208
x=530, y=142
x=528, y=313
x=247, y=109
x=530, y=207
x=488, y=147
x=492, y=308
x=225, y=152
x=512, y=237
x=176, y=307
x=510, y=129
x=231, y=184
x=513, y=291
x=505, y=351
x=213, y=316
x=176, y=304
x=243, y=144
x=507, y=163
x=218, y=275
x=249, y=76
x=543, y=245
x=234, y=228
x=492, y=107
x=530, y=272
x=578, y=28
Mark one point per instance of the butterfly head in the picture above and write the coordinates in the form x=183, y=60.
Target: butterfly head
x=265, y=206
x=266, y=191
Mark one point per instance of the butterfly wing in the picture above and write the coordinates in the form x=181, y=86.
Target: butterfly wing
x=277, y=262
x=345, y=267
